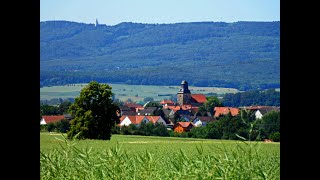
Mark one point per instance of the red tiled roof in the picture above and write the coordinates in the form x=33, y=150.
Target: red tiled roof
x=200, y=98
x=51, y=119
x=225, y=110
x=153, y=119
x=166, y=102
x=133, y=105
x=136, y=119
x=185, y=124
x=174, y=108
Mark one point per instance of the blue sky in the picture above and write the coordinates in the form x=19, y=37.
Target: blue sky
x=113, y=12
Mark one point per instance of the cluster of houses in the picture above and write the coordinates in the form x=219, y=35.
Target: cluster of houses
x=186, y=109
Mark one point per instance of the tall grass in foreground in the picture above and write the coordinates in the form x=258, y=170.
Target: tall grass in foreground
x=242, y=162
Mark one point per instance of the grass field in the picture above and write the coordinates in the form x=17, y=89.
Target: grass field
x=134, y=92
x=142, y=157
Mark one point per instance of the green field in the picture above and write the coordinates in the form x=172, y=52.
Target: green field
x=142, y=157
x=134, y=92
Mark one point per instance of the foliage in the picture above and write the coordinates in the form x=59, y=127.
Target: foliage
x=49, y=110
x=187, y=159
x=61, y=126
x=269, y=124
x=153, y=104
x=135, y=53
x=64, y=107
x=210, y=104
x=146, y=129
x=94, y=113
x=275, y=136
x=269, y=97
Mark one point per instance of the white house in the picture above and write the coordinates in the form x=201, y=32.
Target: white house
x=51, y=119
x=136, y=120
x=156, y=119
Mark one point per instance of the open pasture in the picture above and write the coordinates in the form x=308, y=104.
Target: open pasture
x=134, y=92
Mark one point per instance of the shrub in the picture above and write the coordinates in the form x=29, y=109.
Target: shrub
x=62, y=126
x=275, y=137
x=43, y=127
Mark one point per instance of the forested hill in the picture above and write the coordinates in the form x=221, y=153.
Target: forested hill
x=244, y=55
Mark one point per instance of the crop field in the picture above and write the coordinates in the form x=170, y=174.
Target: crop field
x=146, y=157
x=134, y=92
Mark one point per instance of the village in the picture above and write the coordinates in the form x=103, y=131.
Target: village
x=180, y=116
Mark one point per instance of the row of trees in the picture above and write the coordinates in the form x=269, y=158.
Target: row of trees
x=269, y=97
x=231, y=127
x=145, y=129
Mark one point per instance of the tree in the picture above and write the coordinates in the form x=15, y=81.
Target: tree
x=269, y=124
x=210, y=104
x=64, y=106
x=94, y=113
x=153, y=104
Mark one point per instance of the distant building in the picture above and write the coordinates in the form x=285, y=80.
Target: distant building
x=185, y=97
x=97, y=23
x=51, y=119
x=260, y=111
x=220, y=111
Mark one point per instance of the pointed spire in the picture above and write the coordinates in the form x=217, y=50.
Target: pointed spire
x=97, y=23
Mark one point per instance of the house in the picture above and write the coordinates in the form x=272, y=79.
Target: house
x=133, y=106
x=183, y=127
x=202, y=120
x=126, y=111
x=262, y=110
x=51, y=119
x=219, y=111
x=168, y=113
x=136, y=120
x=167, y=103
x=147, y=111
x=156, y=119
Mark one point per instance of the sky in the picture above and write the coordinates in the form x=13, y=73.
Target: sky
x=112, y=12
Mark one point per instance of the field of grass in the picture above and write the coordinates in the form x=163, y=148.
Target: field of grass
x=134, y=92
x=142, y=157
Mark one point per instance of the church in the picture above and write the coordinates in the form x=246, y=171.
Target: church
x=184, y=96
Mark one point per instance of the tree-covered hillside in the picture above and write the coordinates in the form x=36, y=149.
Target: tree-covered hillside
x=244, y=55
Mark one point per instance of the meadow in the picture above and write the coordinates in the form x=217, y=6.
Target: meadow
x=134, y=92
x=146, y=157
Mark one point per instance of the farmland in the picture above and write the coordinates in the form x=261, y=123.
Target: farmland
x=134, y=92
x=140, y=157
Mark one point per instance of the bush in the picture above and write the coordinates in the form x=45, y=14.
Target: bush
x=62, y=126
x=275, y=137
x=43, y=127
x=51, y=127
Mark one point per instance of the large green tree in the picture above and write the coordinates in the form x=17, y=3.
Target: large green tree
x=94, y=113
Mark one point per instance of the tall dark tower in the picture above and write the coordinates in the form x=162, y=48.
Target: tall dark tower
x=184, y=94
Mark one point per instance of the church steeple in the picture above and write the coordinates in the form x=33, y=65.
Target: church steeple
x=184, y=94
x=97, y=23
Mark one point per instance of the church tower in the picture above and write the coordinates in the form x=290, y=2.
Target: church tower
x=97, y=23
x=184, y=95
